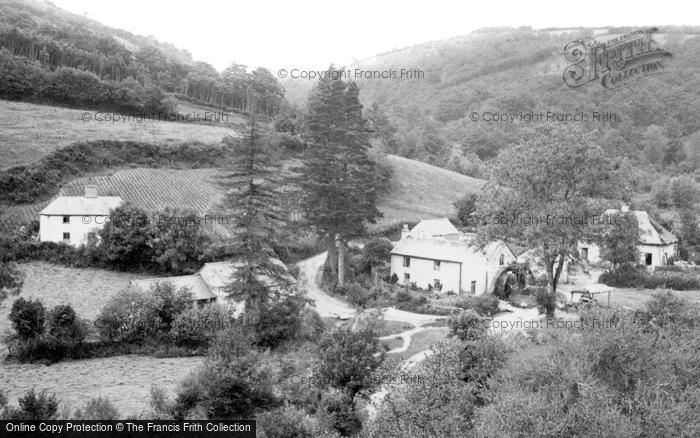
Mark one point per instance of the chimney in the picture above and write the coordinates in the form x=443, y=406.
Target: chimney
x=91, y=191
x=404, y=231
x=624, y=208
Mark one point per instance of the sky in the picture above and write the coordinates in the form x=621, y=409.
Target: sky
x=308, y=34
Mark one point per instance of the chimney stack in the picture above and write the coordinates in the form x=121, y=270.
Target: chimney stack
x=91, y=191
x=404, y=231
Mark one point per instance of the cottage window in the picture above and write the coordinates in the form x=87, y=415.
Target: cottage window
x=501, y=260
x=584, y=253
x=66, y=236
x=473, y=288
x=437, y=284
x=66, y=219
x=406, y=262
x=436, y=265
x=406, y=277
x=647, y=259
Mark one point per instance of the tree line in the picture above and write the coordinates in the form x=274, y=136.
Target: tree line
x=74, y=51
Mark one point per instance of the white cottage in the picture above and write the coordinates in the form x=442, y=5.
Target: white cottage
x=75, y=219
x=434, y=253
x=656, y=244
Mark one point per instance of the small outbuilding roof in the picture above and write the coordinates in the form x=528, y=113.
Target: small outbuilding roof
x=81, y=205
x=195, y=283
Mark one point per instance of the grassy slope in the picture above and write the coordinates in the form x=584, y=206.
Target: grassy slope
x=29, y=131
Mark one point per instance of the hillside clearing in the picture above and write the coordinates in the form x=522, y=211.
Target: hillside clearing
x=29, y=131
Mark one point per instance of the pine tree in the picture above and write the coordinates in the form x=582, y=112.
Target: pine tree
x=253, y=200
x=338, y=177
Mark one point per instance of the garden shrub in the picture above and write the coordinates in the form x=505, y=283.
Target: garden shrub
x=468, y=326
x=197, y=326
x=131, y=316
x=485, y=305
x=278, y=323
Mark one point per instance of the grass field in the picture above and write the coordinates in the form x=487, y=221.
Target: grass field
x=87, y=290
x=421, y=191
x=635, y=298
x=29, y=131
x=125, y=380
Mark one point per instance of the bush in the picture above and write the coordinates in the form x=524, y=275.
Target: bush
x=97, y=408
x=197, y=326
x=65, y=326
x=278, y=323
x=34, y=407
x=286, y=422
x=27, y=318
x=130, y=316
x=356, y=294
x=170, y=302
x=546, y=302
x=467, y=326
x=484, y=305
x=628, y=276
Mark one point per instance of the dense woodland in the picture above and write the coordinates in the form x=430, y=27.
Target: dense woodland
x=49, y=55
x=509, y=70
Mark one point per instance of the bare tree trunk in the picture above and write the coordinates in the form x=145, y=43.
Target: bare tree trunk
x=332, y=259
x=341, y=262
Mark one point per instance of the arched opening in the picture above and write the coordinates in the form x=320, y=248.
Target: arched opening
x=511, y=279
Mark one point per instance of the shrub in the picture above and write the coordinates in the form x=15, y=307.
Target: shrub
x=312, y=326
x=467, y=326
x=170, y=302
x=628, y=276
x=394, y=278
x=356, y=294
x=65, y=326
x=237, y=387
x=286, y=422
x=197, y=326
x=340, y=414
x=546, y=302
x=278, y=323
x=130, y=316
x=27, y=318
x=97, y=408
x=34, y=407
x=485, y=305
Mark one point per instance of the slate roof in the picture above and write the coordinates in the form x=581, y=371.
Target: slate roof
x=80, y=205
x=650, y=232
x=433, y=227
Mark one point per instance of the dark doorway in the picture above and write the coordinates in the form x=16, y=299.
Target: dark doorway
x=647, y=259
x=584, y=253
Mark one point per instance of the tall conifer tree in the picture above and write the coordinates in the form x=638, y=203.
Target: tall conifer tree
x=338, y=178
x=253, y=200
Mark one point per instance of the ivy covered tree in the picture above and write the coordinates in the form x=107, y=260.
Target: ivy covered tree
x=338, y=176
x=253, y=199
x=619, y=242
